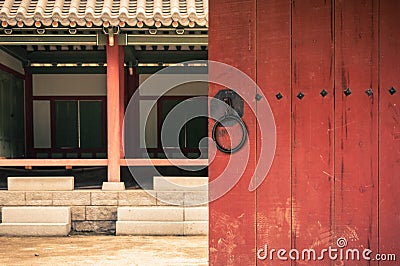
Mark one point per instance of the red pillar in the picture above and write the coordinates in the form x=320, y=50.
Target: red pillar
x=115, y=84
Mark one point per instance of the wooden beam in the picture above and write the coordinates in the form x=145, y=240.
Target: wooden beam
x=164, y=162
x=170, y=56
x=17, y=52
x=101, y=162
x=49, y=39
x=192, y=39
x=52, y=162
x=131, y=55
x=68, y=70
x=67, y=56
x=114, y=70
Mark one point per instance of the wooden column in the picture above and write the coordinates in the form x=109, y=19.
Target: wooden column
x=28, y=114
x=131, y=99
x=115, y=72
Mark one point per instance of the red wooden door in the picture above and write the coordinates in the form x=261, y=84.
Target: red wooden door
x=329, y=70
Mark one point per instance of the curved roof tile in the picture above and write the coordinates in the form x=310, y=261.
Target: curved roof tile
x=114, y=12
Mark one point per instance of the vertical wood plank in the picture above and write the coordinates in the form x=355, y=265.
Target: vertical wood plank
x=356, y=138
x=273, y=77
x=389, y=128
x=114, y=69
x=232, y=217
x=312, y=124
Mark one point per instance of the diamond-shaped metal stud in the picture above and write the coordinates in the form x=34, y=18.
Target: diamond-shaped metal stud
x=369, y=92
x=392, y=90
x=347, y=92
x=323, y=93
x=279, y=96
x=300, y=95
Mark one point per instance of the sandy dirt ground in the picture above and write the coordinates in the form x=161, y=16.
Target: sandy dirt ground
x=104, y=250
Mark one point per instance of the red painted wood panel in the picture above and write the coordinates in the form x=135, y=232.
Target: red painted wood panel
x=312, y=125
x=122, y=96
x=356, y=124
x=273, y=77
x=114, y=70
x=389, y=128
x=232, y=217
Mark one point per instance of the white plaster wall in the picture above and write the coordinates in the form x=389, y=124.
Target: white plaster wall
x=41, y=124
x=69, y=84
x=187, y=89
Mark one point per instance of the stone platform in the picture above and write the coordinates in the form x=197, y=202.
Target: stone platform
x=96, y=210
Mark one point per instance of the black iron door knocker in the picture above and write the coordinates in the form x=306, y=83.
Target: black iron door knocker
x=228, y=106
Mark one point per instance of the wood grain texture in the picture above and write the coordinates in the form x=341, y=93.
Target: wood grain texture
x=232, y=217
x=115, y=71
x=312, y=196
x=273, y=77
x=356, y=124
x=389, y=128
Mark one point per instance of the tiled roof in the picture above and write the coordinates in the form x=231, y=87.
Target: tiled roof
x=104, y=13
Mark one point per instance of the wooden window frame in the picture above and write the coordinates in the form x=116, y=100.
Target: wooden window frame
x=78, y=151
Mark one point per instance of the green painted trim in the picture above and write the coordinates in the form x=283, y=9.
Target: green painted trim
x=49, y=39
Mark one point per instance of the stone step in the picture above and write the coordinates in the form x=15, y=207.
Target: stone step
x=180, y=183
x=161, y=228
x=159, y=213
x=149, y=228
x=35, y=229
x=36, y=215
x=196, y=214
x=40, y=183
x=195, y=228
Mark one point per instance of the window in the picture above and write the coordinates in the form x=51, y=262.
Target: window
x=156, y=139
x=191, y=132
x=78, y=124
x=70, y=127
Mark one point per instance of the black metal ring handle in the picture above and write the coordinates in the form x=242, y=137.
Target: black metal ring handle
x=219, y=123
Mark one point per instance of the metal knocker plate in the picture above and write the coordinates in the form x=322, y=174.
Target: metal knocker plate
x=229, y=106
